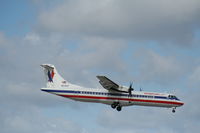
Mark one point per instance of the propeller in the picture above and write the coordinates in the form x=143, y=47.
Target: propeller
x=130, y=89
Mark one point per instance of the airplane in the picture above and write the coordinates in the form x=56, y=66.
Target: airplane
x=115, y=95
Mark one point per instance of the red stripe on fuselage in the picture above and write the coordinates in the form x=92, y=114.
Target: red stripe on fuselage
x=123, y=99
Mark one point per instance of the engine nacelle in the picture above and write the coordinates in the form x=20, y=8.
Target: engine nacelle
x=123, y=89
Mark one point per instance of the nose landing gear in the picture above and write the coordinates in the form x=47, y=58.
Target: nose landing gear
x=174, y=110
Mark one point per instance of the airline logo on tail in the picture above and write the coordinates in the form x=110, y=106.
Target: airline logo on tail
x=50, y=75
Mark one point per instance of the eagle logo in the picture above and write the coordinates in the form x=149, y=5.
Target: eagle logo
x=50, y=75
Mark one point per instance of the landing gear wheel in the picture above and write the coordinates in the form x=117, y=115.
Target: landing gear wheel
x=173, y=110
x=114, y=105
x=119, y=108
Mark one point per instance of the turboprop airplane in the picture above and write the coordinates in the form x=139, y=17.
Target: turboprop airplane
x=114, y=95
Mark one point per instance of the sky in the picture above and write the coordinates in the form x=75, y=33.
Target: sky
x=154, y=44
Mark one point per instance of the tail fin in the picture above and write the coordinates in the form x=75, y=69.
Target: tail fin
x=53, y=79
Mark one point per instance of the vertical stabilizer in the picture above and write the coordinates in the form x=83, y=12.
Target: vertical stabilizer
x=53, y=79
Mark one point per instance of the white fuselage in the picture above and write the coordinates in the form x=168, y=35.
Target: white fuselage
x=109, y=97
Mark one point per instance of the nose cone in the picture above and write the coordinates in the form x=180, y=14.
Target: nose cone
x=181, y=103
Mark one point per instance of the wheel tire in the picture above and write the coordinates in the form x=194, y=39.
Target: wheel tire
x=119, y=108
x=173, y=111
x=113, y=106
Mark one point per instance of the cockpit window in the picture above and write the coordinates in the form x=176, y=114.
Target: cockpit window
x=173, y=97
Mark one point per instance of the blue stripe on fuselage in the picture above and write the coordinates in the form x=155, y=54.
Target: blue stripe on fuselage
x=105, y=93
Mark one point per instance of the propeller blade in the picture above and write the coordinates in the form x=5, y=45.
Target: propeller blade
x=131, y=86
x=130, y=89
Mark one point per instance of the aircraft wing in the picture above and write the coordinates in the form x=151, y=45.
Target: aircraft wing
x=108, y=84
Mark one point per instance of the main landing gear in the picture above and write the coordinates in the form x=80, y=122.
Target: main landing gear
x=117, y=106
x=174, y=110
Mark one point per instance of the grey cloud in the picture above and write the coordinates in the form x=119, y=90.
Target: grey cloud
x=163, y=21
x=93, y=54
x=194, y=78
x=31, y=119
x=159, y=69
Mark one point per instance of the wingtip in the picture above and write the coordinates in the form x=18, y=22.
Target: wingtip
x=99, y=76
x=47, y=66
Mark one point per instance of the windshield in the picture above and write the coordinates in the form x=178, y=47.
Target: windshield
x=173, y=97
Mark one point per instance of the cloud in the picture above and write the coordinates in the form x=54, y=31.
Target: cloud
x=162, y=21
x=32, y=38
x=2, y=38
x=93, y=56
x=157, y=68
x=31, y=119
x=194, y=78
